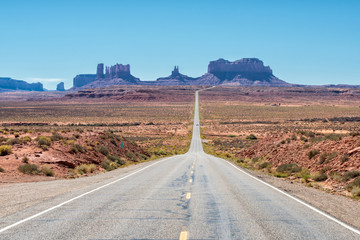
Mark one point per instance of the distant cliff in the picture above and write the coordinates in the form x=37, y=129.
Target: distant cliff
x=243, y=72
x=117, y=74
x=12, y=84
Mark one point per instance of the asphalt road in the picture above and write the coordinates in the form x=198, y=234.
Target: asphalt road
x=190, y=196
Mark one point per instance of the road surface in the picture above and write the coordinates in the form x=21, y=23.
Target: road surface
x=190, y=196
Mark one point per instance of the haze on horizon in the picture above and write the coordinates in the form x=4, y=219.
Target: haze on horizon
x=303, y=42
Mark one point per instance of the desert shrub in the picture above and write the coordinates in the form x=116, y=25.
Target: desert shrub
x=76, y=148
x=28, y=168
x=319, y=177
x=132, y=156
x=344, y=158
x=312, y=153
x=142, y=156
x=43, y=141
x=56, y=137
x=293, y=137
x=108, y=165
x=2, y=170
x=16, y=135
x=322, y=157
x=350, y=175
x=25, y=159
x=304, y=174
x=25, y=139
x=306, y=146
x=283, y=142
x=255, y=159
x=264, y=165
x=332, y=155
x=231, y=135
x=302, y=138
x=251, y=137
x=281, y=175
x=288, y=168
x=336, y=176
x=113, y=141
x=355, y=192
x=103, y=150
x=5, y=150
x=47, y=171
x=353, y=184
x=2, y=139
x=13, y=141
x=354, y=134
x=333, y=137
x=76, y=135
x=115, y=158
x=85, y=168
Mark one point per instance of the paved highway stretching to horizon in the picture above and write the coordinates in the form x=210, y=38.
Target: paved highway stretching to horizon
x=190, y=196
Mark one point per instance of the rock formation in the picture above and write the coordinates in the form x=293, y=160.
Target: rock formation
x=117, y=74
x=175, y=79
x=243, y=72
x=60, y=87
x=83, y=79
x=12, y=84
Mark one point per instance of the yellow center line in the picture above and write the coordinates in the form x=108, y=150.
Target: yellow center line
x=184, y=235
x=190, y=180
x=188, y=195
x=192, y=172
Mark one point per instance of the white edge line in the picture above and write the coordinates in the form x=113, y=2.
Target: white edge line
x=299, y=201
x=72, y=199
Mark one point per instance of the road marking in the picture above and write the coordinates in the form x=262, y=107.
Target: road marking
x=188, y=195
x=192, y=167
x=192, y=172
x=72, y=199
x=184, y=235
x=299, y=201
x=190, y=180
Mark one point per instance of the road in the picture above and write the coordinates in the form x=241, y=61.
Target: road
x=190, y=196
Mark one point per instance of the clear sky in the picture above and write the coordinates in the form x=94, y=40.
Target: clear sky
x=304, y=42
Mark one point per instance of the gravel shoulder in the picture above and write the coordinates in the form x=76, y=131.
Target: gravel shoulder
x=341, y=207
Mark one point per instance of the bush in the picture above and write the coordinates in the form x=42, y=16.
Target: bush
x=355, y=192
x=288, y=168
x=77, y=148
x=344, y=158
x=353, y=184
x=251, y=137
x=5, y=150
x=43, y=141
x=25, y=159
x=13, y=141
x=281, y=175
x=304, y=174
x=132, y=156
x=350, y=175
x=313, y=153
x=56, y=137
x=264, y=165
x=323, y=157
x=28, y=168
x=293, y=137
x=103, y=150
x=2, y=170
x=115, y=158
x=47, y=171
x=85, y=168
x=108, y=165
x=25, y=139
x=319, y=177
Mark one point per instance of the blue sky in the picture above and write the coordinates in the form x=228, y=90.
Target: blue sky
x=305, y=42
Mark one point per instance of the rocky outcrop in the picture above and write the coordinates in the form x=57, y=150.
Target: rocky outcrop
x=12, y=84
x=243, y=72
x=60, y=87
x=117, y=74
x=175, y=79
x=83, y=79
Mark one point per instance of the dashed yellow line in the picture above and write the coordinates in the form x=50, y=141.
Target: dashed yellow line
x=184, y=235
x=192, y=172
x=190, y=180
x=188, y=195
